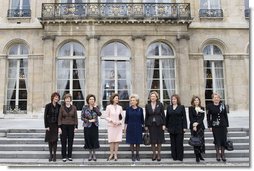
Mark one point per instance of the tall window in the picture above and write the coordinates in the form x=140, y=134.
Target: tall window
x=214, y=76
x=161, y=71
x=19, y=8
x=17, y=79
x=116, y=75
x=71, y=72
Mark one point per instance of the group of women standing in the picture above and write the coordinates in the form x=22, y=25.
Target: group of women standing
x=63, y=120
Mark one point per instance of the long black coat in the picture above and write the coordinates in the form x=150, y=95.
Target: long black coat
x=176, y=119
x=196, y=117
x=158, y=114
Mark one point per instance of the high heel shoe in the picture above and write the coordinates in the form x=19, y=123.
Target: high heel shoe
x=154, y=158
x=218, y=159
x=110, y=158
x=201, y=157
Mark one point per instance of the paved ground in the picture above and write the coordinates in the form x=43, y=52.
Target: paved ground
x=237, y=119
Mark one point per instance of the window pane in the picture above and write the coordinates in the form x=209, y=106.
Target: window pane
x=108, y=50
x=216, y=50
x=26, y=4
x=207, y=50
x=14, y=50
x=166, y=50
x=65, y=50
x=153, y=50
x=15, y=4
x=122, y=50
x=203, y=4
x=78, y=50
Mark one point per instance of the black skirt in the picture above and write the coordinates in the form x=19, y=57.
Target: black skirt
x=220, y=136
x=91, y=135
x=52, y=134
x=156, y=134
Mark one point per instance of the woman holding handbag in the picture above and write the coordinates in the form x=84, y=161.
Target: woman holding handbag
x=217, y=120
x=177, y=124
x=196, y=117
x=134, y=121
x=115, y=127
x=155, y=123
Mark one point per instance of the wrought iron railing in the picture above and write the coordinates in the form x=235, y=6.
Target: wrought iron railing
x=12, y=109
x=247, y=13
x=211, y=13
x=102, y=11
x=19, y=13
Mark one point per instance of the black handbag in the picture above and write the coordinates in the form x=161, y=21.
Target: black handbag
x=146, y=139
x=195, y=141
x=229, y=145
x=120, y=117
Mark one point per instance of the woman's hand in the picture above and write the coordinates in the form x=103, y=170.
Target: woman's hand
x=76, y=129
x=60, y=131
x=210, y=129
x=47, y=129
x=91, y=120
x=146, y=128
x=195, y=124
x=163, y=127
x=194, y=128
x=184, y=130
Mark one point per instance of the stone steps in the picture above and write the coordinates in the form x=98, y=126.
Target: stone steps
x=27, y=147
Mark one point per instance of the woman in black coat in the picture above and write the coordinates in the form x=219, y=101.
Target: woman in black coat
x=196, y=117
x=177, y=124
x=51, y=124
x=217, y=120
x=155, y=123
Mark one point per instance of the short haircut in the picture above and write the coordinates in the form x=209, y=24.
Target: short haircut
x=135, y=96
x=53, y=95
x=215, y=93
x=155, y=93
x=89, y=96
x=68, y=95
x=111, y=99
x=193, y=99
x=177, y=98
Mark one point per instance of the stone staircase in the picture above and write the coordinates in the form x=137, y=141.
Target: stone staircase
x=26, y=147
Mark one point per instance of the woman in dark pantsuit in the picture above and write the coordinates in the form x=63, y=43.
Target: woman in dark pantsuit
x=155, y=123
x=177, y=124
x=217, y=120
x=196, y=117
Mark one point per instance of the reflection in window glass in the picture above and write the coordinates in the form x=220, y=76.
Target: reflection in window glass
x=161, y=71
x=116, y=76
x=71, y=73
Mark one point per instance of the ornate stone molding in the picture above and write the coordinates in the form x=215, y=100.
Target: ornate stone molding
x=88, y=37
x=182, y=36
x=134, y=37
x=49, y=37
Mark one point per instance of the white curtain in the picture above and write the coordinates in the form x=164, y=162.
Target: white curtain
x=219, y=83
x=103, y=79
x=168, y=75
x=128, y=76
x=25, y=63
x=11, y=79
x=63, y=74
x=81, y=74
x=150, y=71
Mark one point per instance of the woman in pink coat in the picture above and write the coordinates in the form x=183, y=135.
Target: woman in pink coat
x=115, y=128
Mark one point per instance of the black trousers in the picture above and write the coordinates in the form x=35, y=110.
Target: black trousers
x=176, y=146
x=67, y=136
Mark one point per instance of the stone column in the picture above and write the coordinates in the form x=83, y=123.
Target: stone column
x=183, y=69
x=138, y=66
x=48, y=66
x=3, y=85
x=92, y=67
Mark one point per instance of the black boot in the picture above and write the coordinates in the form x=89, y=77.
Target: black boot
x=132, y=152
x=197, y=158
x=201, y=157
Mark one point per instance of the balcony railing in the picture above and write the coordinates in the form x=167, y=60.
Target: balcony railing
x=12, y=109
x=19, y=13
x=126, y=11
x=247, y=13
x=211, y=13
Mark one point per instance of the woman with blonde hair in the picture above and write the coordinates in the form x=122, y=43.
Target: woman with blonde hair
x=134, y=121
x=155, y=123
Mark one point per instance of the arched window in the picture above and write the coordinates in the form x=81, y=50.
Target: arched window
x=16, y=101
x=115, y=73
x=71, y=72
x=161, y=71
x=214, y=75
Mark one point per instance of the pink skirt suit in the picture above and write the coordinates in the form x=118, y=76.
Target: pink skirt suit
x=115, y=132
